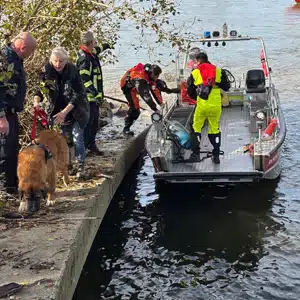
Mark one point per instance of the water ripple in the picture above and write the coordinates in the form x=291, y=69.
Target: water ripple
x=210, y=243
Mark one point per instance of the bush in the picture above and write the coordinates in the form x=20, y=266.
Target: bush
x=55, y=22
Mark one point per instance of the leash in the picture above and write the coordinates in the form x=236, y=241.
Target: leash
x=208, y=155
x=121, y=101
x=43, y=116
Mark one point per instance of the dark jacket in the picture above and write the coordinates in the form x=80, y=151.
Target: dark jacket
x=60, y=89
x=12, y=80
x=90, y=71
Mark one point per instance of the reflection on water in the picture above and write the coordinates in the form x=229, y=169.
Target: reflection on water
x=294, y=9
x=214, y=243
x=189, y=244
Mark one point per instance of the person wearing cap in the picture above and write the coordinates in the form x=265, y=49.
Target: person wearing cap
x=192, y=64
x=204, y=85
x=142, y=80
x=90, y=70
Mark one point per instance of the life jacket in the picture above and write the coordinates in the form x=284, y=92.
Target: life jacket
x=136, y=72
x=208, y=73
x=205, y=77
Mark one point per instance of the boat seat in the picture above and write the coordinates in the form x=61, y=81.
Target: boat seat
x=255, y=81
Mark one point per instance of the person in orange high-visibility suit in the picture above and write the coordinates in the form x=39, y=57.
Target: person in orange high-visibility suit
x=142, y=80
x=205, y=85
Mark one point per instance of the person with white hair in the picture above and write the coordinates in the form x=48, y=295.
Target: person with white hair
x=67, y=106
x=193, y=52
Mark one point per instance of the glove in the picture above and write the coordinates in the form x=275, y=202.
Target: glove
x=106, y=46
x=161, y=85
x=99, y=98
x=174, y=91
x=103, y=103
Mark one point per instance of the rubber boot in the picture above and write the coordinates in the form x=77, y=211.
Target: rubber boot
x=195, y=141
x=80, y=172
x=215, y=140
x=126, y=129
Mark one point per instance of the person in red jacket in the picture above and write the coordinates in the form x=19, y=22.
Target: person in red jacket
x=142, y=80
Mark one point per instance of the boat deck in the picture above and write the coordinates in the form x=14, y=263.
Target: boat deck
x=234, y=126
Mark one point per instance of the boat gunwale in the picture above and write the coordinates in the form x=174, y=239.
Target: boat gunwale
x=195, y=175
x=212, y=177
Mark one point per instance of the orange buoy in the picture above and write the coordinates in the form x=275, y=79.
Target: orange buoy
x=267, y=133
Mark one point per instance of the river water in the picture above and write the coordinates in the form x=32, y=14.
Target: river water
x=214, y=242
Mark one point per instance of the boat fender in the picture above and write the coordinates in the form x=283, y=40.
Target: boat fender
x=263, y=63
x=268, y=132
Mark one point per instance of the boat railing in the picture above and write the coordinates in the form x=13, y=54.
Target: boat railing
x=160, y=127
x=274, y=100
x=185, y=53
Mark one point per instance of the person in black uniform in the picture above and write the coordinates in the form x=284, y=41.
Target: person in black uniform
x=88, y=64
x=12, y=100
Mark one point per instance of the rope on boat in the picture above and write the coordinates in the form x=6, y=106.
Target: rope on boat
x=208, y=155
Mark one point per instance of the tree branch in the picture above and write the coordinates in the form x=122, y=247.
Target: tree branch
x=33, y=15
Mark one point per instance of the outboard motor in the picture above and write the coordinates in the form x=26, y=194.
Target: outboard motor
x=180, y=137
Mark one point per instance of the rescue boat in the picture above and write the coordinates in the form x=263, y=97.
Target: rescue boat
x=252, y=126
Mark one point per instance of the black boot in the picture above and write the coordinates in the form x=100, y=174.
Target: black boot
x=128, y=123
x=195, y=141
x=127, y=131
x=94, y=151
x=216, y=155
x=132, y=116
x=215, y=140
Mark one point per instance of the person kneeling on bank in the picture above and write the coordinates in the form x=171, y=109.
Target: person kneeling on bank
x=142, y=80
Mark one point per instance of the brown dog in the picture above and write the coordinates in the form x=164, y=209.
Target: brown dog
x=37, y=172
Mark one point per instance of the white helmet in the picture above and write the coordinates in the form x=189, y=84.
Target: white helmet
x=194, y=51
